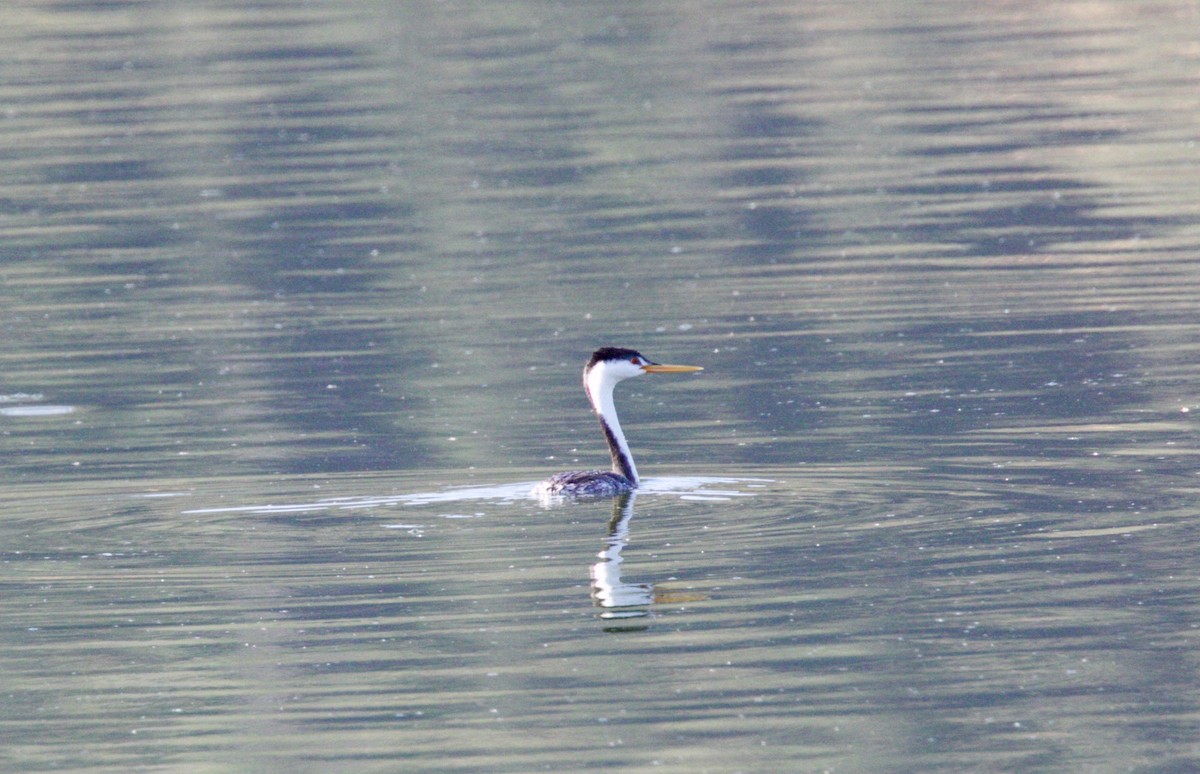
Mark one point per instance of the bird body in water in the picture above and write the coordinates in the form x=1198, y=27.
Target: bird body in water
x=606, y=367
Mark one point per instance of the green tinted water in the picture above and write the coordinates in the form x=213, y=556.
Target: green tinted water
x=296, y=298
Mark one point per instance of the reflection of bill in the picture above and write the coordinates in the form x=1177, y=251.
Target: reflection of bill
x=620, y=599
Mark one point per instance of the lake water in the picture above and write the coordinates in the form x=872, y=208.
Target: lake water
x=295, y=300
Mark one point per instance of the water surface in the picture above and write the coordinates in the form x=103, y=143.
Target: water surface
x=296, y=298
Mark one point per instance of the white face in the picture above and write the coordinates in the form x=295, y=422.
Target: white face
x=618, y=370
x=604, y=376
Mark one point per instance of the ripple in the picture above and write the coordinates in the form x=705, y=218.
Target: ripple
x=36, y=411
x=685, y=487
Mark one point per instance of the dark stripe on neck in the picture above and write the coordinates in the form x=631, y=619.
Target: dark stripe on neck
x=620, y=462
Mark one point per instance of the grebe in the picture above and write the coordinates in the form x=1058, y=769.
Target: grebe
x=607, y=366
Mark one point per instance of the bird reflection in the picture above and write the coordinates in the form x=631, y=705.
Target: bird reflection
x=619, y=599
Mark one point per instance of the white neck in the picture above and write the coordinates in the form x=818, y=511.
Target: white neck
x=599, y=383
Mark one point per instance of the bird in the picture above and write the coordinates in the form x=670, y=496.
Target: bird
x=606, y=367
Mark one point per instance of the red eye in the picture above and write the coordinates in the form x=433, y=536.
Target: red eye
x=635, y=360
